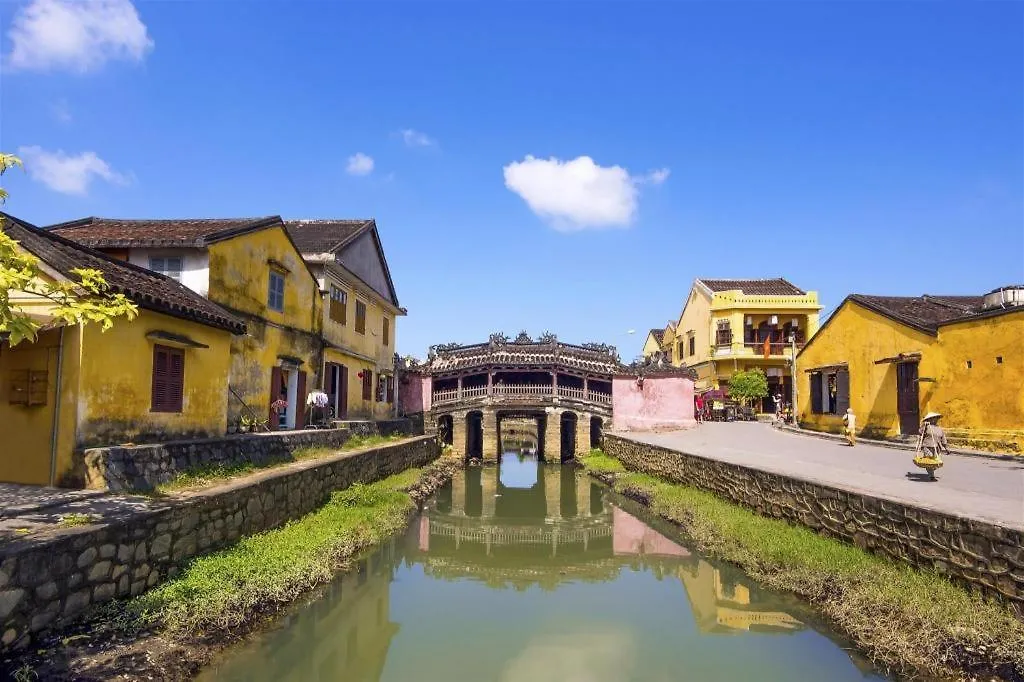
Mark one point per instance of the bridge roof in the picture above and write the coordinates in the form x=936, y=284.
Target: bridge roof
x=592, y=358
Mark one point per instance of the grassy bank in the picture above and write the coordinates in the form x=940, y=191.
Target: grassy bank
x=908, y=620
x=227, y=588
x=202, y=477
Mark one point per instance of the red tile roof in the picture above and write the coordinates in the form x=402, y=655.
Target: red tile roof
x=325, y=236
x=755, y=287
x=122, y=233
x=144, y=287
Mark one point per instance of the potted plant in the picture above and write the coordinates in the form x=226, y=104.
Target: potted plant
x=245, y=424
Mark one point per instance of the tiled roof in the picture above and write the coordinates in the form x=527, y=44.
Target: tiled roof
x=755, y=287
x=147, y=289
x=658, y=334
x=121, y=233
x=534, y=354
x=922, y=312
x=325, y=236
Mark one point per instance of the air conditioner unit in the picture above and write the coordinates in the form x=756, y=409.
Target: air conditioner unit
x=774, y=319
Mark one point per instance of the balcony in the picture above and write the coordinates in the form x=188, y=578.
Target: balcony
x=754, y=349
x=454, y=395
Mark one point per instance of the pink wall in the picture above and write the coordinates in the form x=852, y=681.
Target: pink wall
x=415, y=395
x=630, y=535
x=664, y=402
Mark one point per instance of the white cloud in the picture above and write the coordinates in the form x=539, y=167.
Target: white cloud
x=359, y=164
x=77, y=35
x=61, y=111
x=578, y=194
x=68, y=174
x=414, y=138
x=656, y=177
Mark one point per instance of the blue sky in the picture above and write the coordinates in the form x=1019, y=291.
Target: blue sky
x=572, y=166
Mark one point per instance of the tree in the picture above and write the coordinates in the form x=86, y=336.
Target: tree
x=87, y=299
x=749, y=385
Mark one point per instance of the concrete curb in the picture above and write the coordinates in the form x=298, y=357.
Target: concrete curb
x=894, y=445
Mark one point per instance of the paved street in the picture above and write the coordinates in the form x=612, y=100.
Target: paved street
x=977, y=487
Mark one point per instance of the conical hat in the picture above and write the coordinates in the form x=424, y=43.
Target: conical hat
x=931, y=415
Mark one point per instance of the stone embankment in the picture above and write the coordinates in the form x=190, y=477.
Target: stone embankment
x=144, y=467
x=981, y=555
x=47, y=582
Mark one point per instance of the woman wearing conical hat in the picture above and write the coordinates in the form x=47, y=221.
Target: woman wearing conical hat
x=931, y=444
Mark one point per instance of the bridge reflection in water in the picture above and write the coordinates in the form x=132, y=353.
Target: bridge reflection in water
x=518, y=526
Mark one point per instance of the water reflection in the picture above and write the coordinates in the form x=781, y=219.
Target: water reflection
x=532, y=572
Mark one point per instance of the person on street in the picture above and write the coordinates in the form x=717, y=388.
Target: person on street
x=698, y=411
x=850, y=424
x=931, y=444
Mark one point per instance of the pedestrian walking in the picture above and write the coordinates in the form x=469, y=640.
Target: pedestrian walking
x=931, y=445
x=850, y=426
x=698, y=411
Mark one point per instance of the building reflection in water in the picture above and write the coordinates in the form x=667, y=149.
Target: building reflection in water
x=507, y=532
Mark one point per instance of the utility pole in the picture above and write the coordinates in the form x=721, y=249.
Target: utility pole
x=792, y=371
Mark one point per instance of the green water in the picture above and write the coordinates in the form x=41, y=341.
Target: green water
x=532, y=573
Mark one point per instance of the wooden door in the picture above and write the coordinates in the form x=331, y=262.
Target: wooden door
x=342, y=392
x=907, y=401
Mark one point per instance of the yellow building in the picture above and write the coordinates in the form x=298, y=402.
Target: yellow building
x=894, y=358
x=728, y=326
x=251, y=267
x=653, y=342
x=157, y=377
x=359, y=312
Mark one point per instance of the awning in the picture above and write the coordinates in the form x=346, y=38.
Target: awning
x=172, y=339
x=827, y=368
x=902, y=357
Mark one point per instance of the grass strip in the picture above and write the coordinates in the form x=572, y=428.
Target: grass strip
x=228, y=588
x=908, y=620
x=202, y=477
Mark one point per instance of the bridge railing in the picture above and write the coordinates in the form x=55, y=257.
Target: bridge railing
x=452, y=395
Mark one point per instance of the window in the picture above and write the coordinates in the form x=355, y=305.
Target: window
x=386, y=331
x=382, y=388
x=723, y=335
x=167, y=266
x=360, y=317
x=338, y=310
x=168, y=379
x=693, y=345
x=275, y=297
x=367, y=384
x=391, y=390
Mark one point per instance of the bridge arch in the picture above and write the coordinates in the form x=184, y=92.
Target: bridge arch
x=568, y=422
x=474, y=445
x=446, y=429
x=596, y=432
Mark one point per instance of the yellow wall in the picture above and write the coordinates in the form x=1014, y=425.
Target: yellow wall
x=357, y=407
x=701, y=315
x=982, y=407
x=239, y=280
x=369, y=344
x=105, y=393
x=651, y=345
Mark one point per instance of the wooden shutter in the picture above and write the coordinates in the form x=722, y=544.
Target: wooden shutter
x=391, y=389
x=816, y=393
x=360, y=317
x=387, y=330
x=367, y=384
x=168, y=387
x=300, y=402
x=275, y=388
x=842, y=391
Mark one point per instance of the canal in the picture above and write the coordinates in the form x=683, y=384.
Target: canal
x=526, y=572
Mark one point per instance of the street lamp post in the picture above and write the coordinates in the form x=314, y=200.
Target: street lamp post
x=792, y=371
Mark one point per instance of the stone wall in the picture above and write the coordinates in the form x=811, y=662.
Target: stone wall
x=47, y=581
x=143, y=467
x=981, y=555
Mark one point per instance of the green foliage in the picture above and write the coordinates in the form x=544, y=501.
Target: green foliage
x=600, y=463
x=751, y=384
x=912, y=620
x=227, y=588
x=73, y=302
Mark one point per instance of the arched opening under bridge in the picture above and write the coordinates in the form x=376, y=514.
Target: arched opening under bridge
x=446, y=429
x=475, y=435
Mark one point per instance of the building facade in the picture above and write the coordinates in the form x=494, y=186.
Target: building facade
x=653, y=342
x=728, y=326
x=360, y=309
x=250, y=267
x=893, y=359
x=160, y=376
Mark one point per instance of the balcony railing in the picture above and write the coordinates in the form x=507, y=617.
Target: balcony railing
x=780, y=348
x=452, y=395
